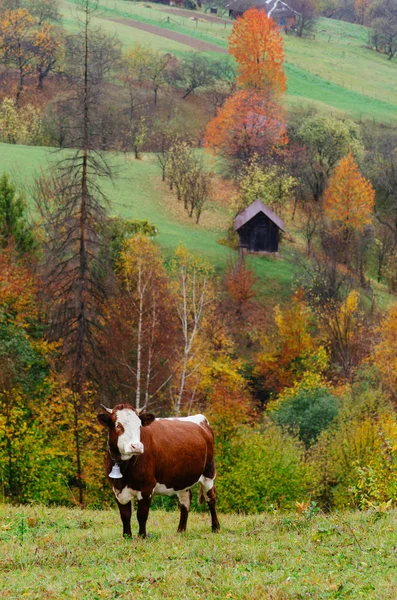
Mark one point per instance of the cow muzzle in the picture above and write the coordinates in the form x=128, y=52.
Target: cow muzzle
x=132, y=450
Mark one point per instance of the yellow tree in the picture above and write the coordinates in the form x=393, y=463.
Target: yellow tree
x=349, y=199
x=17, y=44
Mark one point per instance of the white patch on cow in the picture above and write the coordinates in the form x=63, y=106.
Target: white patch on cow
x=184, y=498
x=206, y=485
x=162, y=489
x=129, y=442
x=198, y=419
x=126, y=495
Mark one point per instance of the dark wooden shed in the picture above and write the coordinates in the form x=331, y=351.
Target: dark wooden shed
x=258, y=228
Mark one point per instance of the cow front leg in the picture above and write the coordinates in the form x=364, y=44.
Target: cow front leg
x=125, y=514
x=185, y=499
x=143, y=513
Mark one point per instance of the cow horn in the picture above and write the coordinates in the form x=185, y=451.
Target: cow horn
x=109, y=410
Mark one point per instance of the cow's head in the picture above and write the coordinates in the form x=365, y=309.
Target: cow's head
x=124, y=425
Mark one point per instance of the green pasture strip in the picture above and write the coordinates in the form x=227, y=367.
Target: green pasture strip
x=61, y=553
x=203, y=31
x=301, y=84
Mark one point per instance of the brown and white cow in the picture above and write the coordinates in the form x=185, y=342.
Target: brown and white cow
x=158, y=456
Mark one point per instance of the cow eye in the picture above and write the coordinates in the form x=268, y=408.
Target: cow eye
x=118, y=427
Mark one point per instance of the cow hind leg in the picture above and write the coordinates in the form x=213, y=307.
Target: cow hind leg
x=207, y=492
x=185, y=498
x=125, y=514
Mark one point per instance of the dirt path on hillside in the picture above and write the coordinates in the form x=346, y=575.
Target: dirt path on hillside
x=190, y=14
x=173, y=35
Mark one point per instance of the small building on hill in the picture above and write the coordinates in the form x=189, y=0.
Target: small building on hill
x=280, y=11
x=258, y=228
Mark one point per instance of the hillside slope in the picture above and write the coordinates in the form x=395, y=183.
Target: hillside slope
x=335, y=71
x=137, y=192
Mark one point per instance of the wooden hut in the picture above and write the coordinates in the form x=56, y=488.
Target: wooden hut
x=258, y=228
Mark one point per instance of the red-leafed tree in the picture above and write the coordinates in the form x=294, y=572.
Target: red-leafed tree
x=257, y=46
x=249, y=123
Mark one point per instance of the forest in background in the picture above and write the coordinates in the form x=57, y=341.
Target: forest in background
x=299, y=389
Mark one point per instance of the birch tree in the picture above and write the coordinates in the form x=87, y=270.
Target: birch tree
x=194, y=298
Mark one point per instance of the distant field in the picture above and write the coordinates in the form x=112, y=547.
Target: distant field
x=335, y=71
x=63, y=553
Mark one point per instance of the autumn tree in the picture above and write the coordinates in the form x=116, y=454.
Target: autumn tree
x=349, y=199
x=249, y=123
x=257, y=46
x=292, y=350
x=346, y=331
x=272, y=184
x=240, y=284
x=22, y=364
x=139, y=337
x=17, y=44
x=384, y=351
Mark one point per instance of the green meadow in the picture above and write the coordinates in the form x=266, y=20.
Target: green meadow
x=61, y=553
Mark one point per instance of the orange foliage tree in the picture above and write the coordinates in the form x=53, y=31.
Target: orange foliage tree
x=249, y=123
x=349, y=199
x=257, y=46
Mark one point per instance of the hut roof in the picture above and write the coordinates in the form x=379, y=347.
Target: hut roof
x=274, y=8
x=252, y=210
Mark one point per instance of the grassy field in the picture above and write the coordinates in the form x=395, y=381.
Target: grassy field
x=335, y=71
x=71, y=553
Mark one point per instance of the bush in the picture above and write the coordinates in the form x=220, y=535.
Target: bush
x=260, y=469
x=347, y=451
x=308, y=412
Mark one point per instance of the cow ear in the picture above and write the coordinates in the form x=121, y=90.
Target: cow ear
x=105, y=419
x=146, y=419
